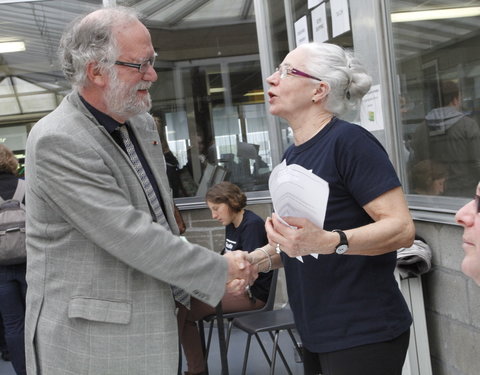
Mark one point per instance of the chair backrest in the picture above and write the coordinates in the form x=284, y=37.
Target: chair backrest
x=271, y=295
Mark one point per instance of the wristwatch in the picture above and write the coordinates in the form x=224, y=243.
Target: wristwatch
x=342, y=246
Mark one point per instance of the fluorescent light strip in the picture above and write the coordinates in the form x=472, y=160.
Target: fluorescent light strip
x=216, y=90
x=436, y=14
x=6, y=47
x=254, y=93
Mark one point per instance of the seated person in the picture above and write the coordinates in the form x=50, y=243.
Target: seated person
x=428, y=177
x=244, y=230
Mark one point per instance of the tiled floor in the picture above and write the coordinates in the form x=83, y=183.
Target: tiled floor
x=257, y=364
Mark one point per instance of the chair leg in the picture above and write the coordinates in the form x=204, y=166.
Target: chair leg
x=295, y=343
x=263, y=349
x=229, y=331
x=274, y=353
x=276, y=347
x=201, y=330
x=209, y=340
x=245, y=356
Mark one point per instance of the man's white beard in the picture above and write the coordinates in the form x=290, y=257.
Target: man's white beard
x=123, y=101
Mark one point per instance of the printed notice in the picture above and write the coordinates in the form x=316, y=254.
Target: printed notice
x=301, y=31
x=319, y=24
x=340, y=17
x=371, y=114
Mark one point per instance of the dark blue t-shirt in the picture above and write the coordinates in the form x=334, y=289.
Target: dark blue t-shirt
x=342, y=301
x=248, y=236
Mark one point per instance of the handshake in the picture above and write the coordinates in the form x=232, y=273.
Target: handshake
x=241, y=272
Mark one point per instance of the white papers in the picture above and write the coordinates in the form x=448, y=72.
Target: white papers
x=340, y=17
x=301, y=31
x=371, y=113
x=319, y=24
x=297, y=192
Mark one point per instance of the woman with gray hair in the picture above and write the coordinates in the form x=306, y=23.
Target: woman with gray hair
x=348, y=309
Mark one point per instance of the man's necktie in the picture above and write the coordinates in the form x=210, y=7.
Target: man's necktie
x=179, y=294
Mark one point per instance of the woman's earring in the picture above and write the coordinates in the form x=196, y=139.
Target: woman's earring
x=313, y=100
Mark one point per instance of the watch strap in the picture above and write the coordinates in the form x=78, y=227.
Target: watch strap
x=342, y=246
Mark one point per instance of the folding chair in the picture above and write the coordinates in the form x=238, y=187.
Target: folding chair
x=272, y=322
x=231, y=316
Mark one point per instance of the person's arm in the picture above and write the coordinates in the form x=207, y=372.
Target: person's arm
x=265, y=259
x=392, y=229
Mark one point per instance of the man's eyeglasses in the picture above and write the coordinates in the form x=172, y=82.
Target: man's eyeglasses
x=142, y=68
x=286, y=69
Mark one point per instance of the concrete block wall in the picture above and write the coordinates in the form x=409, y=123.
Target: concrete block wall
x=452, y=304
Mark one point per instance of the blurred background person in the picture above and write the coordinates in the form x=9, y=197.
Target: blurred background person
x=469, y=217
x=13, y=286
x=244, y=230
x=428, y=177
x=451, y=138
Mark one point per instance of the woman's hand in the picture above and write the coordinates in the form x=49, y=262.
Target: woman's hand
x=300, y=237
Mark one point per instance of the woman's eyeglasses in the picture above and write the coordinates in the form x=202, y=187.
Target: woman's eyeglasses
x=143, y=67
x=286, y=69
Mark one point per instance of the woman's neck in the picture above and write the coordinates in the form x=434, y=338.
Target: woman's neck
x=311, y=128
x=237, y=219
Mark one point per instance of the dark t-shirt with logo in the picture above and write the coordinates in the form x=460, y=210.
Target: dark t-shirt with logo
x=250, y=235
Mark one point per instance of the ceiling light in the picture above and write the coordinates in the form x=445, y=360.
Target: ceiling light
x=6, y=47
x=216, y=90
x=436, y=14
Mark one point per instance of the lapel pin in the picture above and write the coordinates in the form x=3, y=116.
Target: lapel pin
x=155, y=143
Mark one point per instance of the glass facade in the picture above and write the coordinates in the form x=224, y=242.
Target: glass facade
x=208, y=100
x=437, y=54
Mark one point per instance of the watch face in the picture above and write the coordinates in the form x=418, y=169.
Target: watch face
x=341, y=249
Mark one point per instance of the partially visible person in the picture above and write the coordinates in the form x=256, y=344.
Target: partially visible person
x=348, y=309
x=451, y=138
x=105, y=263
x=244, y=230
x=13, y=286
x=171, y=161
x=469, y=217
x=428, y=177
x=3, y=344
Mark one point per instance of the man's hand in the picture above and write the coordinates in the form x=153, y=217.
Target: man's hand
x=236, y=287
x=239, y=267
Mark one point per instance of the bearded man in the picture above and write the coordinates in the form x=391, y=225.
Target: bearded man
x=104, y=259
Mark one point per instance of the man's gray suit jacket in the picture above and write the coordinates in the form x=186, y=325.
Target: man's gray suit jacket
x=99, y=269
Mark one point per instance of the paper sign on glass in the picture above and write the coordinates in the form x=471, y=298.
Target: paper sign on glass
x=298, y=192
x=313, y=3
x=371, y=113
x=319, y=24
x=301, y=31
x=340, y=17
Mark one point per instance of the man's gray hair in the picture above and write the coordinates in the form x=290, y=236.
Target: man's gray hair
x=90, y=38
